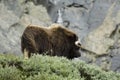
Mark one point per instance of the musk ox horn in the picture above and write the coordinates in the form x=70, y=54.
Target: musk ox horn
x=77, y=43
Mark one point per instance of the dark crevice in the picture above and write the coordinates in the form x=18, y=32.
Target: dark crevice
x=66, y=23
x=93, y=1
x=77, y=5
x=103, y=55
x=115, y=31
x=117, y=69
x=26, y=11
x=114, y=35
x=13, y=26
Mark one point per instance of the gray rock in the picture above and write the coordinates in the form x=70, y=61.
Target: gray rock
x=78, y=23
x=7, y=20
x=14, y=6
x=30, y=20
x=12, y=26
x=115, y=64
x=39, y=12
x=8, y=16
x=99, y=40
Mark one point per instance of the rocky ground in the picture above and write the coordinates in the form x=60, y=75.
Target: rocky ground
x=97, y=23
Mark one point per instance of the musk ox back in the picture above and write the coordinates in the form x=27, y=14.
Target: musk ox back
x=54, y=40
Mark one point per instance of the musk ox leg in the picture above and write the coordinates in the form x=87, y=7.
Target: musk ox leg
x=26, y=54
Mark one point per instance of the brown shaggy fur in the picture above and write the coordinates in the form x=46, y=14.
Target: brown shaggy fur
x=54, y=40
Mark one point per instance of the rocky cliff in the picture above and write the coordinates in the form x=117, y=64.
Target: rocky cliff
x=97, y=23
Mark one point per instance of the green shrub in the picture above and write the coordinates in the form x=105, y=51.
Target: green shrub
x=93, y=72
x=41, y=67
x=9, y=73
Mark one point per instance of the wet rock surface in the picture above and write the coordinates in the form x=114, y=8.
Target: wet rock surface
x=96, y=22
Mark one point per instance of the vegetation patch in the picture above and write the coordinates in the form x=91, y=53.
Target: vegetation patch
x=40, y=67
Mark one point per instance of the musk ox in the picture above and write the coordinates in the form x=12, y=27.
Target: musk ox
x=54, y=40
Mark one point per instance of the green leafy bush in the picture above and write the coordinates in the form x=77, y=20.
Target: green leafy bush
x=41, y=67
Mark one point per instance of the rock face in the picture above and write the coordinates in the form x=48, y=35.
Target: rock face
x=14, y=17
x=99, y=40
x=97, y=23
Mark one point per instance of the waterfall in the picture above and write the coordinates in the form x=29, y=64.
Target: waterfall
x=59, y=19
